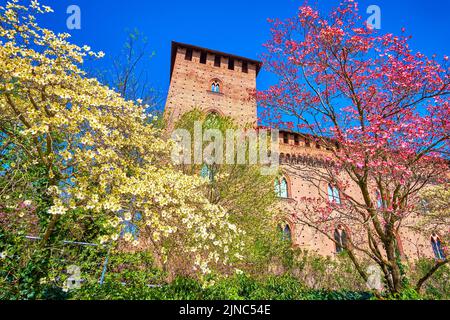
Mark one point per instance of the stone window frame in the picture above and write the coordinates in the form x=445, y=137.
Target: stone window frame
x=217, y=82
x=277, y=187
x=348, y=237
x=334, y=195
x=287, y=225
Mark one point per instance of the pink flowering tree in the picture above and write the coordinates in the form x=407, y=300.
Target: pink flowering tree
x=382, y=112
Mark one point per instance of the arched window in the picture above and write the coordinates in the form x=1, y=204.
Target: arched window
x=207, y=173
x=281, y=188
x=333, y=194
x=294, y=160
x=215, y=86
x=287, y=234
x=212, y=119
x=380, y=204
x=425, y=206
x=340, y=238
x=436, y=244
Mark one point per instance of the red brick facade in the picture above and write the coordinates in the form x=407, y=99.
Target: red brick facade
x=298, y=158
x=195, y=70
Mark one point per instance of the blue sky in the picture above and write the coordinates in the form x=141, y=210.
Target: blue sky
x=234, y=26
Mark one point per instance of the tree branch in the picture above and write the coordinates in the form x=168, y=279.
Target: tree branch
x=430, y=273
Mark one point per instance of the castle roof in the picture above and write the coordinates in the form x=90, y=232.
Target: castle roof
x=176, y=45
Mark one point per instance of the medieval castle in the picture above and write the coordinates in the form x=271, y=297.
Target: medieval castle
x=220, y=82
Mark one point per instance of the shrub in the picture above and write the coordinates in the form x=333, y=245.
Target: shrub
x=438, y=286
x=239, y=287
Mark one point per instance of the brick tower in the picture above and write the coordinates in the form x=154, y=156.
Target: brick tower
x=212, y=81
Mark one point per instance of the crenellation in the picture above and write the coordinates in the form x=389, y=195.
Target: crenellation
x=196, y=78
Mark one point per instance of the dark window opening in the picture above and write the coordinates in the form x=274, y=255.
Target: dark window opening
x=217, y=61
x=436, y=244
x=336, y=144
x=340, y=238
x=317, y=145
x=286, y=138
x=188, y=55
x=308, y=143
x=245, y=66
x=231, y=64
x=286, y=233
x=296, y=140
x=207, y=173
x=203, y=57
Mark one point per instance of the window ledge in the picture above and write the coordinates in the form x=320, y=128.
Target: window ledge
x=286, y=199
x=338, y=205
x=216, y=93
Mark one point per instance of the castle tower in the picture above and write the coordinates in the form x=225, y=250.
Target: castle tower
x=212, y=81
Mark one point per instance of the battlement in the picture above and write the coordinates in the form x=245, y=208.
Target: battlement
x=214, y=58
x=212, y=81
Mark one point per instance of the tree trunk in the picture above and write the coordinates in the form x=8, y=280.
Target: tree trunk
x=394, y=268
x=49, y=230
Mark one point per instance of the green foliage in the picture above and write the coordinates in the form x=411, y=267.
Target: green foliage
x=128, y=276
x=407, y=293
x=239, y=287
x=29, y=271
x=132, y=268
x=20, y=270
x=245, y=193
x=320, y=272
x=438, y=286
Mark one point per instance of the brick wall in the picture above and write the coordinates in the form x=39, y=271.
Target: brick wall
x=302, y=183
x=191, y=82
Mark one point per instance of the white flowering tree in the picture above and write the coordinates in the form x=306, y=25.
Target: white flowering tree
x=100, y=153
x=246, y=193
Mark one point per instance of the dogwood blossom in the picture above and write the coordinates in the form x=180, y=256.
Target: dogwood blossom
x=102, y=153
